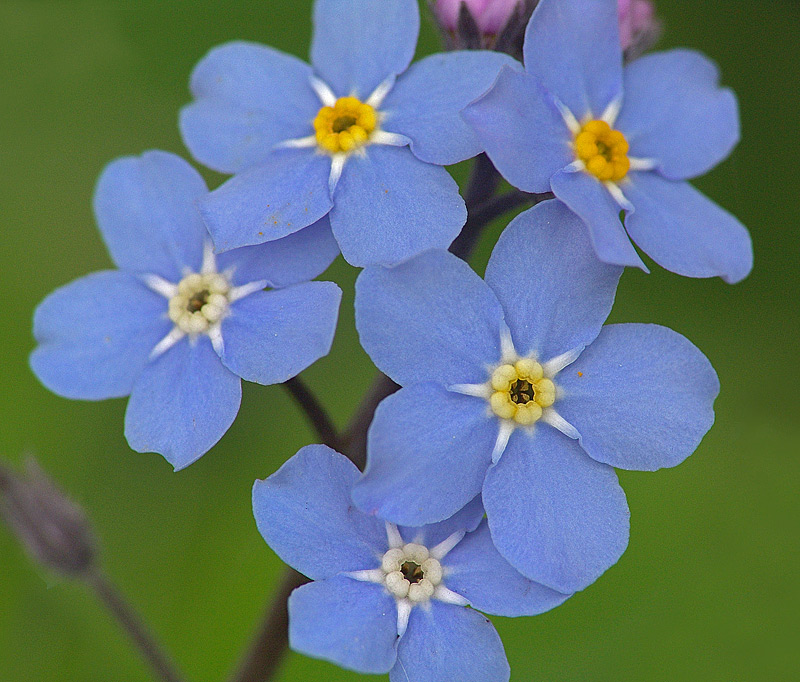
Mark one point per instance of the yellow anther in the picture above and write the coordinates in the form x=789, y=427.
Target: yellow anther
x=521, y=391
x=345, y=126
x=603, y=150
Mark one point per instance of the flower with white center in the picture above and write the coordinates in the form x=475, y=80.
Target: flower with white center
x=358, y=134
x=383, y=597
x=177, y=327
x=513, y=388
x=607, y=139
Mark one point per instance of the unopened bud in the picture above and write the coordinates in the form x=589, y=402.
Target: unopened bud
x=639, y=28
x=53, y=529
x=484, y=24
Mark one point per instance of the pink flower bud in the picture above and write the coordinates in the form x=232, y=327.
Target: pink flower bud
x=636, y=18
x=490, y=15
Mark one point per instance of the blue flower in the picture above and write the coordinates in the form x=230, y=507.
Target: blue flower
x=176, y=327
x=388, y=599
x=358, y=135
x=564, y=125
x=513, y=388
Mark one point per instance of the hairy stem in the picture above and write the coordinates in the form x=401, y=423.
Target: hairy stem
x=130, y=621
x=315, y=412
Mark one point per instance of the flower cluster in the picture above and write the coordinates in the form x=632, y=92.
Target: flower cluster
x=490, y=480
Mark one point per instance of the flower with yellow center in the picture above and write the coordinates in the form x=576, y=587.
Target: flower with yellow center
x=603, y=150
x=521, y=391
x=345, y=126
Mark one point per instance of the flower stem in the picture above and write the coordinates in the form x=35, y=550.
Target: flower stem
x=130, y=621
x=315, y=412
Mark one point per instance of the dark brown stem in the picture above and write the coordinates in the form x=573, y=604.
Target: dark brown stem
x=130, y=621
x=315, y=412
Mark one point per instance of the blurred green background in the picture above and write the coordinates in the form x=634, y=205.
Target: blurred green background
x=708, y=588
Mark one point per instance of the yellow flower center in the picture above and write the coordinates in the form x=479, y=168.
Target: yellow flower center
x=603, y=150
x=201, y=301
x=345, y=126
x=521, y=391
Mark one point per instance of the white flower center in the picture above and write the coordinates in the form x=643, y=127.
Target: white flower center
x=201, y=301
x=410, y=572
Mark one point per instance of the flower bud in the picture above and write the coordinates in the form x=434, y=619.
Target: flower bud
x=639, y=27
x=49, y=525
x=484, y=24
x=490, y=15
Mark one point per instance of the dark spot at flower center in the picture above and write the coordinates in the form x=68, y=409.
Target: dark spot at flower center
x=197, y=301
x=604, y=150
x=412, y=572
x=521, y=392
x=343, y=123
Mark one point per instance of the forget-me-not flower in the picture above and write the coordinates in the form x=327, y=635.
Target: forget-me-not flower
x=606, y=139
x=177, y=327
x=357, y=135
x=513, y=388
x=389, y=599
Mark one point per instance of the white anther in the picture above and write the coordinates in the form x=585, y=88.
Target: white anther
x=397, y=584
x=392, y=559
x=416, y=553
x=432, y=570
x=421, y=591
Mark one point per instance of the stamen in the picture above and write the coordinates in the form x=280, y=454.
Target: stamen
x=344, y=126
x=521, y=391
x=603, y=150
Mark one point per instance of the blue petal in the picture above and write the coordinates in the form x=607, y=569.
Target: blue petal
x=285, y=194
x=573, y=48
x=296, y=258
x=522, y=131
x=425, y=103
x=145, y=208
x=477, y=572
x=249, y=98
x=358, y=44
x=641, y=396
x=427, y=454
x=182, y=403
x=556, y=515
x=468, y=518
x=96, y=334
x=593, y=203
x=305, y=514
x=271, y=336
x=554, y=292
x=390, y=206
x=446, y=643
x=350, y=623
x=431, y=318
x=685, y=232
x=676, y=113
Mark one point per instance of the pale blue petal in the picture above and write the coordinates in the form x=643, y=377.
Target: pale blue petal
x=591, y=201
x=684, y=231
x=305, y=514
x=521, y=130
x=390, y=206
x=427, y=454
x=555, y=514
x=467, y=519
x=284, y=195
x=249, y=97
x=477, y=572
x=431, y=318
x=573, y=48
x=96, y=334
x=554, y=291
x=641, y=395
x=358, y=44
x=425, y=103
x=296, y=258
x=676, y=113
x=182, y=403
x=446, y=643
x=146, y=212
x=272, y=336
x=350, y=623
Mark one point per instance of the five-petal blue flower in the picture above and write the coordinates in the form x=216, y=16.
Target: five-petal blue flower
x=539, y=446
x=672, y=123
x=259, y=114
x=389, y=599
x=177, y=327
